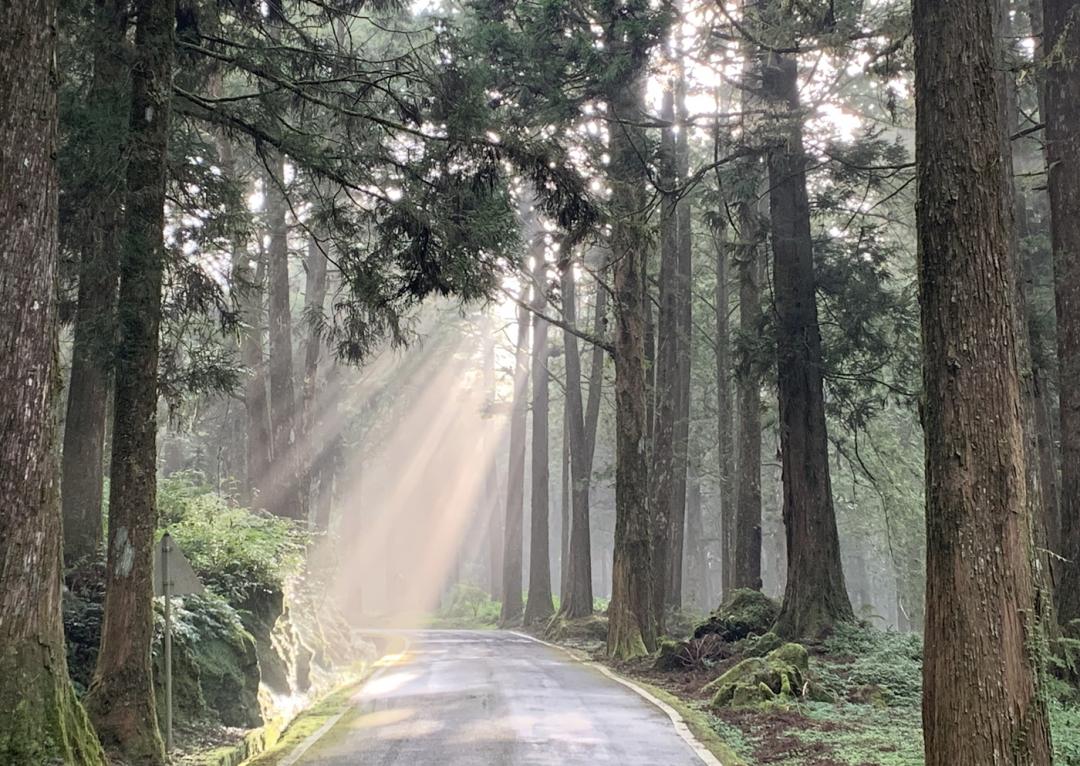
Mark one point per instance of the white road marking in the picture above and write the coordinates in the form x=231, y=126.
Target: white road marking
x=677, y=720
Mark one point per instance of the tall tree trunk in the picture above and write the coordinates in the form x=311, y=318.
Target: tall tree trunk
x=577, y=600
x=724, y=411
x=746, y=569
x=564, y=504
x=596, y=373
x=697, y=595
x=815, y=598
x=98, y=224
x=326, y=461
x=256, y=401
x=285, y=499
x=631, y=619
x=684, y=324
x=539, y=606
x=666, y=392
x=121, y=695
x=980, y=589
x=515, y=482
x=314, y=303
x=41, y=721
x=1062, y=119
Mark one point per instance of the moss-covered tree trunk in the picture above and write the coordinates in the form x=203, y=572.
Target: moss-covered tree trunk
x=539, y=606
x=96, y=221
x=725, y=421
x=1062, y=119
x=41, y=722
x=631, y=620
x=980, y=588
x=121, y=695
x=513, y=529
x=815, y=598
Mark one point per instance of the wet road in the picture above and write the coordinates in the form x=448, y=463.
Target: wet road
x=493, y=698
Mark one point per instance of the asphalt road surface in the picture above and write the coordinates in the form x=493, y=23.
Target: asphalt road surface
x=494, y=698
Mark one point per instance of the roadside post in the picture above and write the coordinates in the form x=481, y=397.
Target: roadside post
x=173, y=577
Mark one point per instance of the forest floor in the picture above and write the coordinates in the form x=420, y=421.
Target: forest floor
x=873, y=677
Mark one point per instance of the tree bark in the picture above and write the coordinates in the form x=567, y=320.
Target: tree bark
x=577, y=600
x=314, y=303
x=631, y=619
x=1062, y=119
x=980, y=590
x=684, y=324
x=747, y=508
x=121, y=695
x=512, y=606
x=815, y=598
x=284, y=499
x=98, y=222
x=41, y=721
x=539, y=606
x=666, y=392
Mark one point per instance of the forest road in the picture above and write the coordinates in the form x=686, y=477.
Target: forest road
x=494, y=698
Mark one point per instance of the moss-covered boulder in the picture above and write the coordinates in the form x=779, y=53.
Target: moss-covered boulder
x=745, y=613
x=759, y=646
x=671, y=655
x=781, y=675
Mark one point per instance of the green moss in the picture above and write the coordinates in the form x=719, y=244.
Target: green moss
x=745, y=613
x=781, y=676
x=41, y=721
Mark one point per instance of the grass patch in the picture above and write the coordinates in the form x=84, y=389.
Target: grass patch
x=701, y=724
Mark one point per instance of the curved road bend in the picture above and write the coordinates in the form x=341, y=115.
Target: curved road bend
x=492, y=698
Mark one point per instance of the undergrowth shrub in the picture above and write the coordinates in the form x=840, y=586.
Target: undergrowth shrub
x=873, y=658
x=236, y=552
x=470, y=604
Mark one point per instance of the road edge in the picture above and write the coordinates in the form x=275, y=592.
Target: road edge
x=680, y=724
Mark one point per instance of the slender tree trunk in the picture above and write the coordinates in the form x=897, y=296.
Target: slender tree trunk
x=314, y=303
x=41, y=721
x=596, y=375
x=724, y=411
x=564, y=503
x=577, y=600
x=97, y=223
x=666, y=392
x=746, y=562
x=539, y=605
x=980, y=589
x=696, y=571
x=121, y=695
x=285, y=499
x=815, y=598
x=256, y=401
x=684, y=324
x=515, y=482
x=1062, y=119
x=631, y=619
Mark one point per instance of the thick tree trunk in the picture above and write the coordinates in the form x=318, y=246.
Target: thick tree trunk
x=97, y=223
x=539, y=606
x=41, y=722
x=515, y=482
x=1062, y=119
x=746, y=564
x=284, y=499
x=121, y=695
x=815, y=598
x=631, y=620
x=684, y=323
x=980, y=591
x=577, y=600
x=666, y=393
